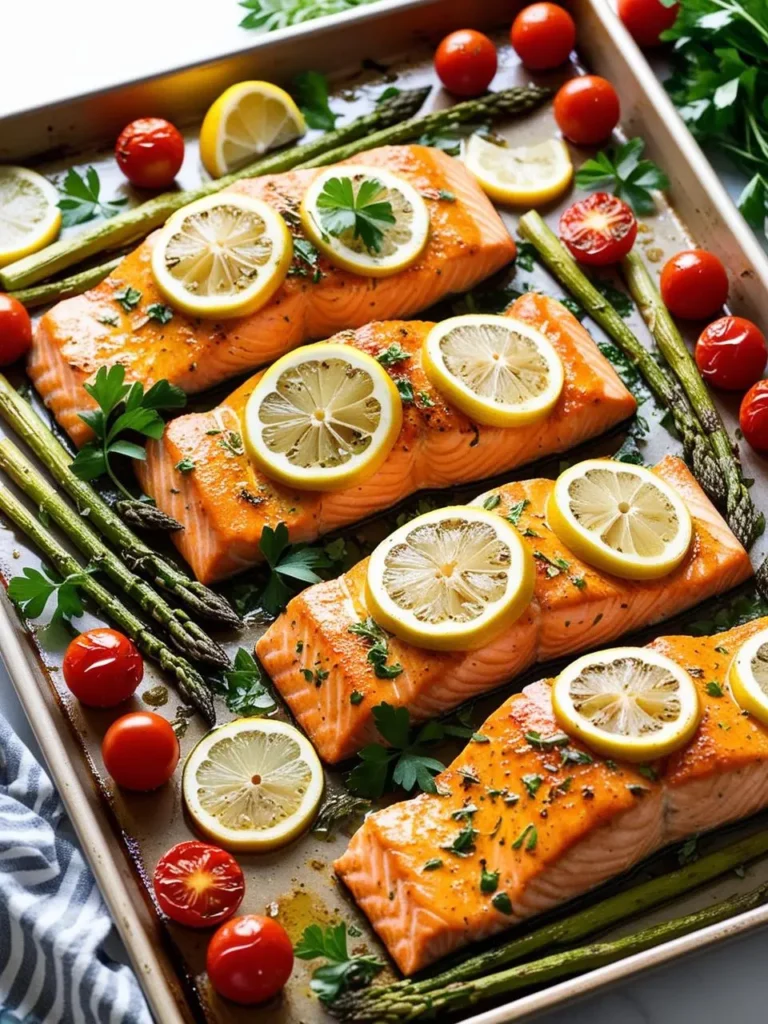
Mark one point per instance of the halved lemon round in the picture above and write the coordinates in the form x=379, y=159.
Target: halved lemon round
x=620, y=518
x=30, y=217
x=628, y=702
x=748, y=676
x=366, y=219
x=524, y=175
x=322, y=418
x=450, y=580
x=253, y=784
x=222, y=256
x=245, y=121
x=499, y=371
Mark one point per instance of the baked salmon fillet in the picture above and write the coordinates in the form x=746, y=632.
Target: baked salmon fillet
x=225, y=502
x=468, y=241
x=584, y=824
x=323, y=672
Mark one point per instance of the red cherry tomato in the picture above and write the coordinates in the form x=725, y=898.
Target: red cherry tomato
x=102, y=668
x=249, y=959
x=645, y=20
x=466, y=62
x=731, y=353
x=598, y=230
x=15, y=330
x=150, y=152
x=753, y=416
x=140, y=751
x=587, y=110
x=543, y=35
x=198, y=885
x=694, y=284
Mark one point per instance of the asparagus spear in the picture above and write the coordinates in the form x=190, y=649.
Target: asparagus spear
x=696, y=447
x=135, y=553
x=190, y=683
x=362, y=134
x=365, y=1005
x=146, y=516
x=743, y=518
x=579, y=925
x=186, y=635
x=66, y=287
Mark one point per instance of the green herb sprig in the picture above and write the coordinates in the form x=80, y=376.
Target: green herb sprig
x=361, y=210
x=31, y=592
x=81, y=198
x=621, y=170
x=343, y=970
x=289, y=565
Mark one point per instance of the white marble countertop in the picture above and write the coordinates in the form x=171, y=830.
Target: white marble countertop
x=727, y=984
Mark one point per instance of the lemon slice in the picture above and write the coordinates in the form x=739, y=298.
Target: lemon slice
x=628, y=702
x=245, y=121
x=322, y=418
x=450, y=580
x=366, y=219
x=748, y=676
x=253, y=784
x=620, y=518
x=29, y=214
x=499, y=371
x=524, y=175
x=222, y=256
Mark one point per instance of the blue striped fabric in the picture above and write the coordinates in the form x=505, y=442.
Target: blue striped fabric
x=53, y=921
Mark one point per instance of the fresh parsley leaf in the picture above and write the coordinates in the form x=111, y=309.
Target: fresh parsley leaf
x=405, y=763
x=394, y=353
x=532, y=784
x=753, y=201
x=81, y=199
x=464, y=843
x=489, y=880
x=526, y=256
x=343, y=970
x=378, y=652
x=549, y=741
x=361, y=208
x=289, y=564
x=516, y=510
x=621, y=170
x=129, y=298
x=243, y=688
x=185, y=465
x=305, y=259
x=31, y=592
x=311, y=91
x=159, y=313
x=502, y=903
x=404, y=389
x=714, y=689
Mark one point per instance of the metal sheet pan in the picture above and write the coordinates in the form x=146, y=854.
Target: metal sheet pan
x=124, y=834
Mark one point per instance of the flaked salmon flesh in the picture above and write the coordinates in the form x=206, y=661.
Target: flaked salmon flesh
x=468, y=241
x=573, y=608
x=225, y=502
x=584, y=823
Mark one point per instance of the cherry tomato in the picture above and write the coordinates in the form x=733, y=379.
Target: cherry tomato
x=753, y=416
x=466, y=62
x=198, y=885
x=645, y=20
x=543, y=35
x=15, y=330
x=249, y=959
x=102, y=668
x=598, y=230
x=731, y=353
x=150, y=152
x=694, y=284
x=140, y=751
x=587, y=110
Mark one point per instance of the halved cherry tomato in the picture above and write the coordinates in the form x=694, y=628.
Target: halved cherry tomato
x=140, y=751
x=15, y=330
x=102, y=668
x=249, y=959
x=150, y=152
x=753, y=416
x=647, y=19
x=587, y=110
x=198, y=885
x=543, y=35
x=465, y=62
x=694, y=284
x=598, y=230
x=731, y=353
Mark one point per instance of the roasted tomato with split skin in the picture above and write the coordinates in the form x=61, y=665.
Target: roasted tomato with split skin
x=587, y=110
x=198, y=885
x=140, y=751
x=465, y=62
x=249, y=959
x=15, y=330
x=598, y=230
x=150, y=152
x=102, y=668
x=731, y=353
x=753, y=417
x=543, y=36
x=694, y=284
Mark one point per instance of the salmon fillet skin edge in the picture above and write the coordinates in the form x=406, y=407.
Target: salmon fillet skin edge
x=585, y=824
x=468, y=241
x=225, y=502
x=572, y=609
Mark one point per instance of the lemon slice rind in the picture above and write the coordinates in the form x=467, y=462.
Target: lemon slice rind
x=226, y=802
x=749, y=662
x=491, y=567
x=521, y=175
x=500, y=371
x=402, y=243
x=631, y=703
x=621, y=518
x=30, y=217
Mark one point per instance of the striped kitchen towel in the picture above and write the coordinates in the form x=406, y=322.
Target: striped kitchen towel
x=53, y=921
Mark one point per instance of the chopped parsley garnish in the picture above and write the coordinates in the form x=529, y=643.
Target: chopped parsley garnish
x=129, y=298
x=489, y=880
x=714, y=689
x=378, y=653
x=356, y=697
x=532, y=784
x=502, y=903
x=547, y=742
x=160, y=313
x=529, y=836
x=492, y=502
x=404, y=389
x=464, y=843
x=517, y=510
x=570, y=756
x=433, y=864
x=394, y=353
x=185, y=465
